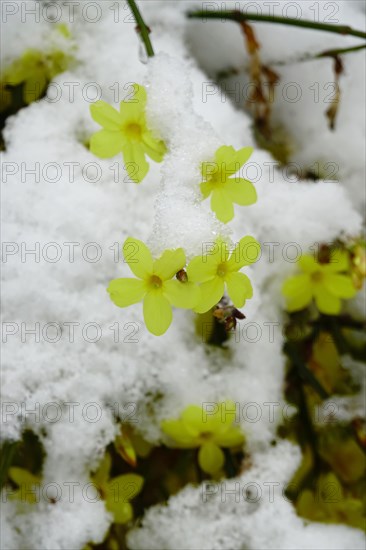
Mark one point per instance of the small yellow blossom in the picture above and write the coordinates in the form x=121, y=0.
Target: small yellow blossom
x=154, y=285
x=118, y=491
x=224, y=188
x=126, y=132
x=219, y=267
x=28, y=485
x=327, y=283
x=209, y=431
x=331, y=504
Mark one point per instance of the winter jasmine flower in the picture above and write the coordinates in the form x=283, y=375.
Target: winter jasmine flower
x=126, y=131
x=155, y=285
x=224, y=188
x=209, y=432
x=327, y=283
x=118, y=491
x=220, y=269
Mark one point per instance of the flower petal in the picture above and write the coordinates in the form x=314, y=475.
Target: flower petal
x=178, y=432
x=222, y=205
x=326, y=302
x=106, y=115
x=298, y=292
x=241, y=191
x=106, y=144
x=339, y=261
x=157, y=313
x=138, y=257
x=135, y=163
x=133, y=108
x=124, y=488
x=308, y=264
x=212, y=292
x=125, y=292
x=193, y=420
x=230, y=438
x=239, y=288
x=203, y=268
x=155, y=148
x=246, y=252
x=238, y=159
x=340, y=285
x=210, y=458
x=206, y=189
x=185, y=295
x=169, y=263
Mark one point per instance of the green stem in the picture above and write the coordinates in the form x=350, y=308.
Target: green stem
x=239, y=17
x=340, y=51
x=142, y=27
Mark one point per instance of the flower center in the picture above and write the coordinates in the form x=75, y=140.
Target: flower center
x=155, y=281
x=221, y=269
x=205, y=436
x=317, y=277
x=133, y=131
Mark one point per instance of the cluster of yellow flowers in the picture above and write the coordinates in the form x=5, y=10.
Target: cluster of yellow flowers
x=202, y=284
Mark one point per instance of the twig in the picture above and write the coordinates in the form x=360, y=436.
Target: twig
x=238, y=17
x=143, y=29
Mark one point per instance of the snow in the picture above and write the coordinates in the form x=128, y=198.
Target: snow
x=85, y=350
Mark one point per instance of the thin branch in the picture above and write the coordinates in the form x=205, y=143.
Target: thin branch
x=238, y=17
x=143, y=29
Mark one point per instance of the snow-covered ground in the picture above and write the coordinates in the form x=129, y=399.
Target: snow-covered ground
x=74, y=214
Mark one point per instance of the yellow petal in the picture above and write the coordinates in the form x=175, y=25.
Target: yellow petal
x=134, y=107
x=212, y=292
x=122, y=511
x=22, y=477
x=326, y=302
x=339, y=261
x=124, y=488
x=125, y=292
x=206, y=188
x=308, y=264
x=193, y=420
x=239, y=288
x=246, y=252
x=178, y=432
x=224, y=154
x=169, y=263
x=230, y=438
x=184, y=295
x=135, y=163
x=154, y=148
x=101, y=476
x=157, y=313
x=339, y=285
x=210, y=458
x=203, y=268
x=298, y=292
x=222, y=205
x=241, y=191
x=105, y=115
x=106, y=144
x=138, y=257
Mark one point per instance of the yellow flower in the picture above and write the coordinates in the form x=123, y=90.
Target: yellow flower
x=327, y=283
x=155, y=285
x=330, y=504
x=28, y=485
x=219, y=268
x=126, y=131
x=118, y=491
x=224, y=189
x=208, y=431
